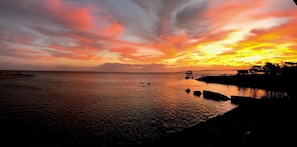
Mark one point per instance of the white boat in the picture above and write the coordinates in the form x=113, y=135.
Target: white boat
x=189, y=74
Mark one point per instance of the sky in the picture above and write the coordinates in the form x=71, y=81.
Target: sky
x=146, y=35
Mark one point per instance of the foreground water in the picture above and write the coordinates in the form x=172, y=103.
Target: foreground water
x=89, y=108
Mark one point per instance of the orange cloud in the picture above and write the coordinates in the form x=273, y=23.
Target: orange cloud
x=178, y=41
x=214, y=37
x=231, y=11
x=268, y=45
x=72, y=16
x=113, y=30
x=134, y=54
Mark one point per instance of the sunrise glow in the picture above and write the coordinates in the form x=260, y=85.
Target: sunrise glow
x=167, y=35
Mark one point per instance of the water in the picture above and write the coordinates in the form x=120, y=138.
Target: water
x=89, y=108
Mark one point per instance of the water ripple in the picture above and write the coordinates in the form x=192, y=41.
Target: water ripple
x=101, y=109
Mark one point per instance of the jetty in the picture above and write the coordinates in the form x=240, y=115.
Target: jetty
x=9, y=75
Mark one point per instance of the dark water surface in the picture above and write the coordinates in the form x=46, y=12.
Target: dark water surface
x=101, y=109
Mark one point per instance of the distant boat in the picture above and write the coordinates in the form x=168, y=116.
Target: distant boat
x=189, y=74
x=145, y=83
x=149, y=82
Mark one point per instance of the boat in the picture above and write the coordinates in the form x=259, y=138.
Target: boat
x=189, y=74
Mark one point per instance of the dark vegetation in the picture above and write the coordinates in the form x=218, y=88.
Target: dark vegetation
x=270, y=77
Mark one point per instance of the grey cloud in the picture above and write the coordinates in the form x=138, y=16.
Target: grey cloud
x=19, y=14
x=22, y=9
x=168, y=17
x=67, y=37
x=191, y=18
x=161, y=13
x=147, y=20
x=19, y=18
x=136, y=20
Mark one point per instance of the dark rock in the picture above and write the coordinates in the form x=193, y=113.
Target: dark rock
x=188, y=90
x=197, y=93
x=215, y=96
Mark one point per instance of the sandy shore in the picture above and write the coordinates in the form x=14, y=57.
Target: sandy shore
x=266, y=122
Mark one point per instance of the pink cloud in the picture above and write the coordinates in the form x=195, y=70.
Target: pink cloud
x=225, y=12
x=113, y=30
x=284, y=33
x=23, y=39
x=72, y=16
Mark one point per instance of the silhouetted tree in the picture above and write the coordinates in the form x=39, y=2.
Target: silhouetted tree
x=289, y=68
x=270, y=68
x=256, y=69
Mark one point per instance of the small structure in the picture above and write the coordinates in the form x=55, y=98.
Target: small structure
x=242, y=72
x=290, y=64
x=189, y=74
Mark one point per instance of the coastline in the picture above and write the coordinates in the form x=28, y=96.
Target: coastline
x=268, y=82
x=266, y=122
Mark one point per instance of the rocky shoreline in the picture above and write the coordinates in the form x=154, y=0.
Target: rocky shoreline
x=266, y=122
x=263, y=122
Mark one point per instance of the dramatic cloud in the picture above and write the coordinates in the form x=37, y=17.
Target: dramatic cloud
x=152, y=35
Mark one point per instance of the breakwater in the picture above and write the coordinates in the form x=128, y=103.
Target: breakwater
x=4, y=75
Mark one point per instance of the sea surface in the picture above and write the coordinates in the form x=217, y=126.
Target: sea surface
x=102, y=109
